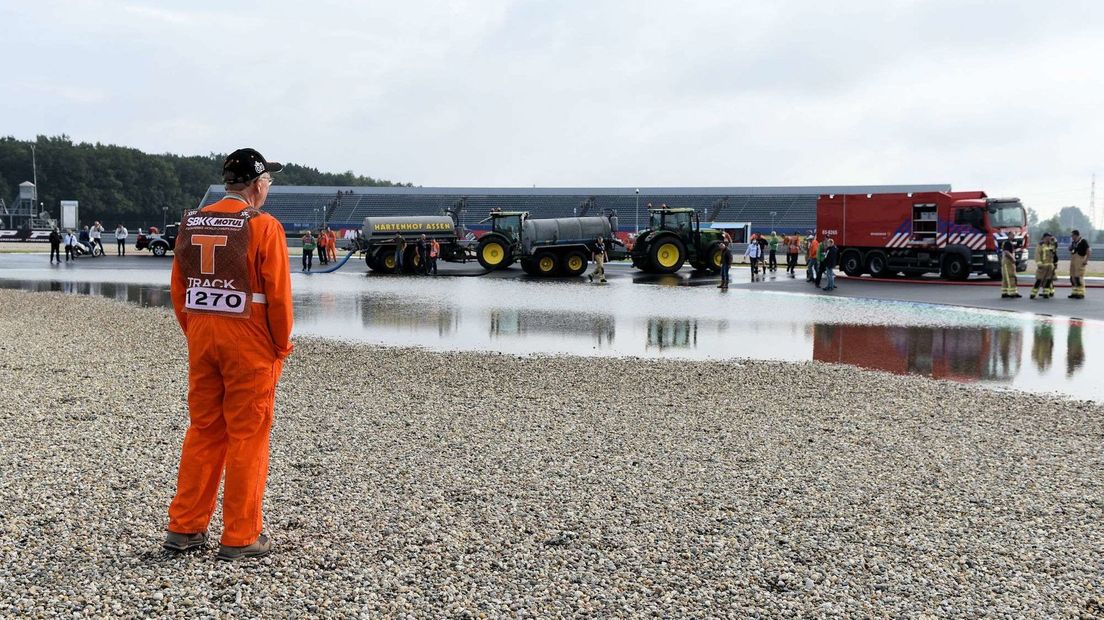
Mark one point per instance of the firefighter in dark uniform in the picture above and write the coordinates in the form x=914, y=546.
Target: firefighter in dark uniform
x=1079, y=259
x=600, y=257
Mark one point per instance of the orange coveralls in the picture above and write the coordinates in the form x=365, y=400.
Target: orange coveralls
x=233, y=367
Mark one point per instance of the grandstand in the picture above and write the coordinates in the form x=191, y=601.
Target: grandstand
x=788, y=209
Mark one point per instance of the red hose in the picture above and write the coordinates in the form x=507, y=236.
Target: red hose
x=951, y=282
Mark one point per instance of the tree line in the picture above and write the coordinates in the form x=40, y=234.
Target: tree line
x=1067, y=219
x=120, y=184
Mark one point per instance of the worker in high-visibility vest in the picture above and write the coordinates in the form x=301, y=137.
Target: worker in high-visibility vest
x=231, y=291
x=1008, y=271
x=811, y=252
x=434, y=252
x=331, y=244
x=793, y=248
x=1046, y=258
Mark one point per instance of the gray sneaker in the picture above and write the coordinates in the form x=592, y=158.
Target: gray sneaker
x=260, y=548
x=184, y=542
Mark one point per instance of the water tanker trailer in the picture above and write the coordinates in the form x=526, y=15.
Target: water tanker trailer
x=380, y=237
x=545, y=247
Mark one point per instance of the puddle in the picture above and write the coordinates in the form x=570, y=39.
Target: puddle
x=525, y=317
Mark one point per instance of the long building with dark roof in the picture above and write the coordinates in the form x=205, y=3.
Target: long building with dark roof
x=786, y=209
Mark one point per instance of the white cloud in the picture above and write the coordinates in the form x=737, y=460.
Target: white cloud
x=994, y=95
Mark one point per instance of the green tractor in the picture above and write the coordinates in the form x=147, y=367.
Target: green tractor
x=673, y=237
x=498, y=248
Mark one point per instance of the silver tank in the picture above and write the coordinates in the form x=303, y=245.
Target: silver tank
x=412, y=226
x=566, y=230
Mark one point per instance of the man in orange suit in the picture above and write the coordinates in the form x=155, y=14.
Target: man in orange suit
x=231, y=291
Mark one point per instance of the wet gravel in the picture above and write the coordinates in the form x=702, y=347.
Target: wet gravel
x=407, y=483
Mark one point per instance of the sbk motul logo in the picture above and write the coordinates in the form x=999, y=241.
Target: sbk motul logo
x=216, y=222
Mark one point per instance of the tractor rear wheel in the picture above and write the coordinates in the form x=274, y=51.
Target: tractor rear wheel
x=714, y=257
x=493, y=253
x=575, y=263
x=667, y=255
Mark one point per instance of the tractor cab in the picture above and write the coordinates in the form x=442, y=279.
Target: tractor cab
x=679, y=221
x=508, y=223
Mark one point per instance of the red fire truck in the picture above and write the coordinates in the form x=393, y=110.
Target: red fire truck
x=955, y=234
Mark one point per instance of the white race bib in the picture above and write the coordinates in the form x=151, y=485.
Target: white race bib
x=215, y=299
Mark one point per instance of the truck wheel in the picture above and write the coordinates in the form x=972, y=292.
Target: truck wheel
x=851, y=263
x=547, y=263
x=955, y=267
x=158, y=249
x=412, y=263
x=384, y=262
x=667, y=255
x=575, y=263
x=878, y=267
x=493, y=253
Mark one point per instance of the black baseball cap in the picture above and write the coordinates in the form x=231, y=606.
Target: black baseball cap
x=244, y=165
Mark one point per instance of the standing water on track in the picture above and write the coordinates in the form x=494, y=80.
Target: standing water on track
x=996, y=349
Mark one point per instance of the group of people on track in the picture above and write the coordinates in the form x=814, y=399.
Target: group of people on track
x=822, y=258
x=762, y=253
x=424, y=255
x=326, y=244
x=85, y=241
x=1046, y=265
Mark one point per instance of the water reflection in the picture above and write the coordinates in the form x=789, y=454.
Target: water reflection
x=601, y=328
x=1075, y=348
x=1042, y=346
x=960, y=354
x=396, y=313
x=143, y=295
x=666, y=334
x=661, y=279
x=689, y=322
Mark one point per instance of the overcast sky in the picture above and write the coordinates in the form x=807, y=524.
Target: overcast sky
x=1002, y=96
